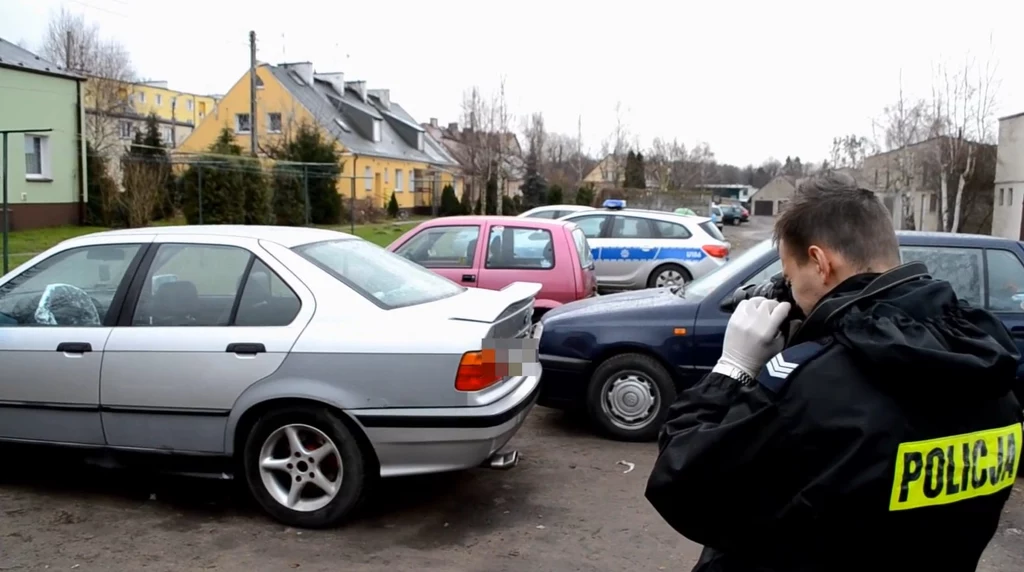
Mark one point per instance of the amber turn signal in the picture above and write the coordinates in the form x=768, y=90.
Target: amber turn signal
x=477, y=370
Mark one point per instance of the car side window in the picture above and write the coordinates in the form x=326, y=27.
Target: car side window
x=671, y=230
x=591, y=225
x=266, y=299
x=442, y=247
x=582, y=248
x=961, y=267
x=1005, y=281
x=632, y=227
x=765, y=273
x=191, y=285
x=520, y=248
x=73, y=288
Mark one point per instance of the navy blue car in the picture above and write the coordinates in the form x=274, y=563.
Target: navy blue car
x=623, y=358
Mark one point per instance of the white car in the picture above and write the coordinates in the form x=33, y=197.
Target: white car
x=307, y=362
x=634, y=249
x=555, y=211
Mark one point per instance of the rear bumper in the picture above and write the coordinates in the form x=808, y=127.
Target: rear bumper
x=434, y=440
x=564, y=382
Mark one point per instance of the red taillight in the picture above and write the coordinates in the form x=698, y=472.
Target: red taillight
x=716, y=251
x=479, y=370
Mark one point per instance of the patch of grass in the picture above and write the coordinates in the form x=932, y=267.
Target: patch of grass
x=24, y=244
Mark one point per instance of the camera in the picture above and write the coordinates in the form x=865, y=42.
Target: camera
x=774, y=288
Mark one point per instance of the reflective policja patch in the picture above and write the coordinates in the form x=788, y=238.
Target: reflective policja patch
x=952, y=469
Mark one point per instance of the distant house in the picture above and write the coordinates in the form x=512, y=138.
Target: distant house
x=469, y=147
x=385, y=150
x=610, y=172
x=1008, y=198
x=770, y=199
x=46, y=170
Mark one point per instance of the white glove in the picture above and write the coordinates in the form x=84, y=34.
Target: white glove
x=752, y=336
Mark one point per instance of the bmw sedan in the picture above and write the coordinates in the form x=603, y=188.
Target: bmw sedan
x=306, y=362
x=623, y=358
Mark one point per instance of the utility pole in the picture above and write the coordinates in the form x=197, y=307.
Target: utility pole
x=174, y=121
x=67, y=51
x=252, y=91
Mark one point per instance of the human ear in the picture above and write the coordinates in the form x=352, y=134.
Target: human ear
x=821, y=262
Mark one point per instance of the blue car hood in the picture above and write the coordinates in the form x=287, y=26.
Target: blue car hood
x=623, y=303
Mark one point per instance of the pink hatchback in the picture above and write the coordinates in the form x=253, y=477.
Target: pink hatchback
x=552, y=253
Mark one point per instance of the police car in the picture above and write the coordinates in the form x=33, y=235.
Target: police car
x=635, y=249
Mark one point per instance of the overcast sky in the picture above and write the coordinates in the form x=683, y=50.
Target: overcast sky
x=754, y=79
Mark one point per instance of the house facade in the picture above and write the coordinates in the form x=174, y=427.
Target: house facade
x=610, y=172
x=46, y=170
x=383, y=148
x=1008, y=197
x=472, y=149
x=770, y=199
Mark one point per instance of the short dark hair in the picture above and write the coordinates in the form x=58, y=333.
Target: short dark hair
x=831, y=210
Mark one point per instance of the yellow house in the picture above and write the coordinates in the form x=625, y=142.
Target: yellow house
x=118, y=109
x=384, y=149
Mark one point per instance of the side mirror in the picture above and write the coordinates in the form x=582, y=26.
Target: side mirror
x=730, y=302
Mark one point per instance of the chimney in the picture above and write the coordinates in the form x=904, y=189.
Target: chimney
x=453, y=127
x=334, y=79
x=433, y=122
x=359, y=87
x=304, y=69
x=384, y=95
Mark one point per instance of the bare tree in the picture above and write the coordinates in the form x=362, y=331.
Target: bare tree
x=614, y=148
x=962, y=115
x=502, y=118
x=904, y=124
x=849, y=151
x=143, y=189
x=474, y=108
x=77, y=46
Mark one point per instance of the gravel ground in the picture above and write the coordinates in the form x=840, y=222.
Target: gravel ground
x=569, y=506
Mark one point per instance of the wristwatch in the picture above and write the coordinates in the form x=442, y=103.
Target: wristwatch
x=733, y=372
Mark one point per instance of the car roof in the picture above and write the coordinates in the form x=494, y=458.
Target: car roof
x=561, y=208
x=642, y=213
x=287, y=236
x=544, y=223
x=925, y=238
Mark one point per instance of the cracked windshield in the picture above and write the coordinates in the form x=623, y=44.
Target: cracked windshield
x=723, y=287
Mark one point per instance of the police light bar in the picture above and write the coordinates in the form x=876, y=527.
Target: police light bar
x=614, y=204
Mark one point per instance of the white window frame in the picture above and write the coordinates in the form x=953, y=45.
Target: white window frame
x=387, y=179
x=398, y=180
x=270, y=123
x=368, y=179
x=159, y=99
x=419, y=140
x=122, y=133
x=44, y=173
x=142, y=97
x=376, y=130
x=238, y=123
x=412, y=180
x=191, y=104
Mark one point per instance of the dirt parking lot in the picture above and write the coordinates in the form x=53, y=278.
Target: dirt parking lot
x=569, y=506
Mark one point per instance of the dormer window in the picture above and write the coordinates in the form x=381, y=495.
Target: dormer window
x=419, y=140
x=376, y=130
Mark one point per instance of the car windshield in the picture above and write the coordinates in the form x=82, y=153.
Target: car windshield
x=389, y=279
x=707, y=284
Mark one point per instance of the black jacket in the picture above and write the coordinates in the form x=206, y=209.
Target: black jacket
x=861, y=446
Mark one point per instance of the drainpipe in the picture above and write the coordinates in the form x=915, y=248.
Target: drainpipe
x=352, y=205
x=79, y=117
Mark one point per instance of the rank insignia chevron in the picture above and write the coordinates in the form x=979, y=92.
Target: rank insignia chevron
x=774, y=375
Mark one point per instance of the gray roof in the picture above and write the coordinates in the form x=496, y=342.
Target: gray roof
x=15, y=57
x=330, y=107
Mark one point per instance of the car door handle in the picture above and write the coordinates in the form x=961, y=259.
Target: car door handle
x=74, y=347
x=246, y=349
x=469, y=278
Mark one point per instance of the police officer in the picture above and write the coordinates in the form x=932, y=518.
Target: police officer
x=883, y=436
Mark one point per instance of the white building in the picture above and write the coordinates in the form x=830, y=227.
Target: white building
x=1008, y=198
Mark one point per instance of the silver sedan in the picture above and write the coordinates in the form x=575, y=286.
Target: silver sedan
x=311, y=360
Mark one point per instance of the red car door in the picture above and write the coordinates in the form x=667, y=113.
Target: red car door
x=514, y=253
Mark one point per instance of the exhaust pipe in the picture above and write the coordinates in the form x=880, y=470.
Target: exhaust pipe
x=503, y=461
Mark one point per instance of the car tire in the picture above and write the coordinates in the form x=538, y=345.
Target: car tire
x=609, y=407
x=344, y=467
x=652, y=280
